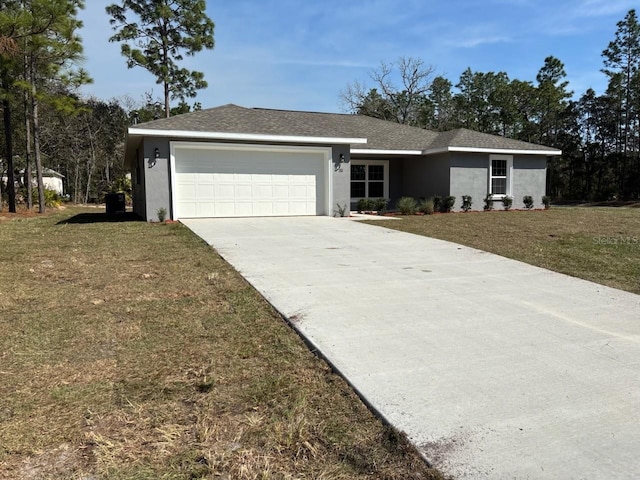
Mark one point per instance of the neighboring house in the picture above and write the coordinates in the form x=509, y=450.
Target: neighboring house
x=51, y=180
x=232, y=161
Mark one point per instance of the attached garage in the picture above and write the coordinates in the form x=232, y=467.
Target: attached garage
x=240, y=180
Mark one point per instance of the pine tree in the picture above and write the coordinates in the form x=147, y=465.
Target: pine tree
x=622, y=66
x=156, y=34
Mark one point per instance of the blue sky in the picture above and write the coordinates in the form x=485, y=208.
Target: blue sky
x=300, y=54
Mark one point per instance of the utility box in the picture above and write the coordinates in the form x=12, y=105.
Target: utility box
x=115, y=203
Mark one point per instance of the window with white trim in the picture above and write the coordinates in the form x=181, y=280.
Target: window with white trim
x=500, y=169
x=369, y=179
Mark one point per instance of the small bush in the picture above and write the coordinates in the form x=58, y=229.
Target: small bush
x=51, y=198
x=426, y=206
x=364, y=205
x=340, y=211
x=466, y=203
x=447, y=203
x=527, y=200
x=546, y=201
x=507, y=201
x=162, y=214
x=407, y=205
x=488, y=203
x=437, y=203
x=380, y=205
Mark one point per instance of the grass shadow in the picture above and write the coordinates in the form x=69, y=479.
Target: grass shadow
x=100, y=217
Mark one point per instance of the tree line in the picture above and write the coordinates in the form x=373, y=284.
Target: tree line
x=48, y=124
x=599, y=135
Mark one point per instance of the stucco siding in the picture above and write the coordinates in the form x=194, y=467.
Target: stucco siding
x=341, y=173
x=424, y=177
x=396, y=168
x=156, y=177
x=529, y=178
x=137, y=184
x=469, y=176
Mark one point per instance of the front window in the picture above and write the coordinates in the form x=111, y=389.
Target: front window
x=369, y=179
x=499, y=175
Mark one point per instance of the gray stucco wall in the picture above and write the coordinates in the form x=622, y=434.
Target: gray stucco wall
x=469, y=176
x=137, y=185
x=529, y=178
x=396, y=169
x=341, y=179
x=156, y=177
x=424, y=177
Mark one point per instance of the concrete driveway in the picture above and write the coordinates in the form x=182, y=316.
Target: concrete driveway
x=494, y=368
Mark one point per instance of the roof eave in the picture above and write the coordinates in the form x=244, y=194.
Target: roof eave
x=374, y=151
x=505, y=151
x=244, y=137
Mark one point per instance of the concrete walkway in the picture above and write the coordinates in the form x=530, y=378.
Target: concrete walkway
x=494, y=368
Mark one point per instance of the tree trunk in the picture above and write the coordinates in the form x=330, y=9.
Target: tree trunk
x=91, y=167
x=27, y=168
x=27, y=124
x=167, y=106
x=6, y=113
x=36, y=141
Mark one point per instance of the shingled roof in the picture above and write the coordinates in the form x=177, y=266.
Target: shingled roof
x=380, y=134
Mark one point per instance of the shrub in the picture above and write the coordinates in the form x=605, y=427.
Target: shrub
x=341, y=210
x=380, y=205
x=546, y=201
x=407, y=205
x=162, y=214
x=364, y=205
x=507, y=201
x=466, y=203
x=447, y=203
x=51, y=198
x=528, y=202
x=426, y=206
x=488, y=202
x=437, y=203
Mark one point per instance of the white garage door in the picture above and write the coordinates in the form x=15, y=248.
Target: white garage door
x=245, y=181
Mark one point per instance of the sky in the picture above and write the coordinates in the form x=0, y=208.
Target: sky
x=300, y=54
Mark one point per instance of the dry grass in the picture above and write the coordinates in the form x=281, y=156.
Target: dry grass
x=600, y=244
x=132, y=351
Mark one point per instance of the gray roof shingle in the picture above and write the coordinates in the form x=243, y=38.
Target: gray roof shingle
x=380, y=134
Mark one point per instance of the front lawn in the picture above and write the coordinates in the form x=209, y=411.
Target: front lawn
x=594, y=243
x=133, y=351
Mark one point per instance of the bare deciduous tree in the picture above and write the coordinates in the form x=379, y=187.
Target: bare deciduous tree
x=399, y=93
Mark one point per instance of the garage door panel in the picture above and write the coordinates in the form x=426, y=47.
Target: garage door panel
x=189, y=209
x=228, y=183
x=225, y=191
x=204, y=192
x=205, y=209
x=264, y=191
x=263, y=209
x=244, y=191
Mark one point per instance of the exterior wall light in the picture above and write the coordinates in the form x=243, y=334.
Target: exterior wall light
x=342, y=159
x=156, y=152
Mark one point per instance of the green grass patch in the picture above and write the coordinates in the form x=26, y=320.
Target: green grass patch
x=133, y=351
x=600, y=244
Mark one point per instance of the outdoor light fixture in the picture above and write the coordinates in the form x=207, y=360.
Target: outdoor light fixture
x=342, y=160
x=156, y=152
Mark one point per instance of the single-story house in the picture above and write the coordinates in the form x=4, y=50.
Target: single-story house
x=51, y=180
x=233, y=161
